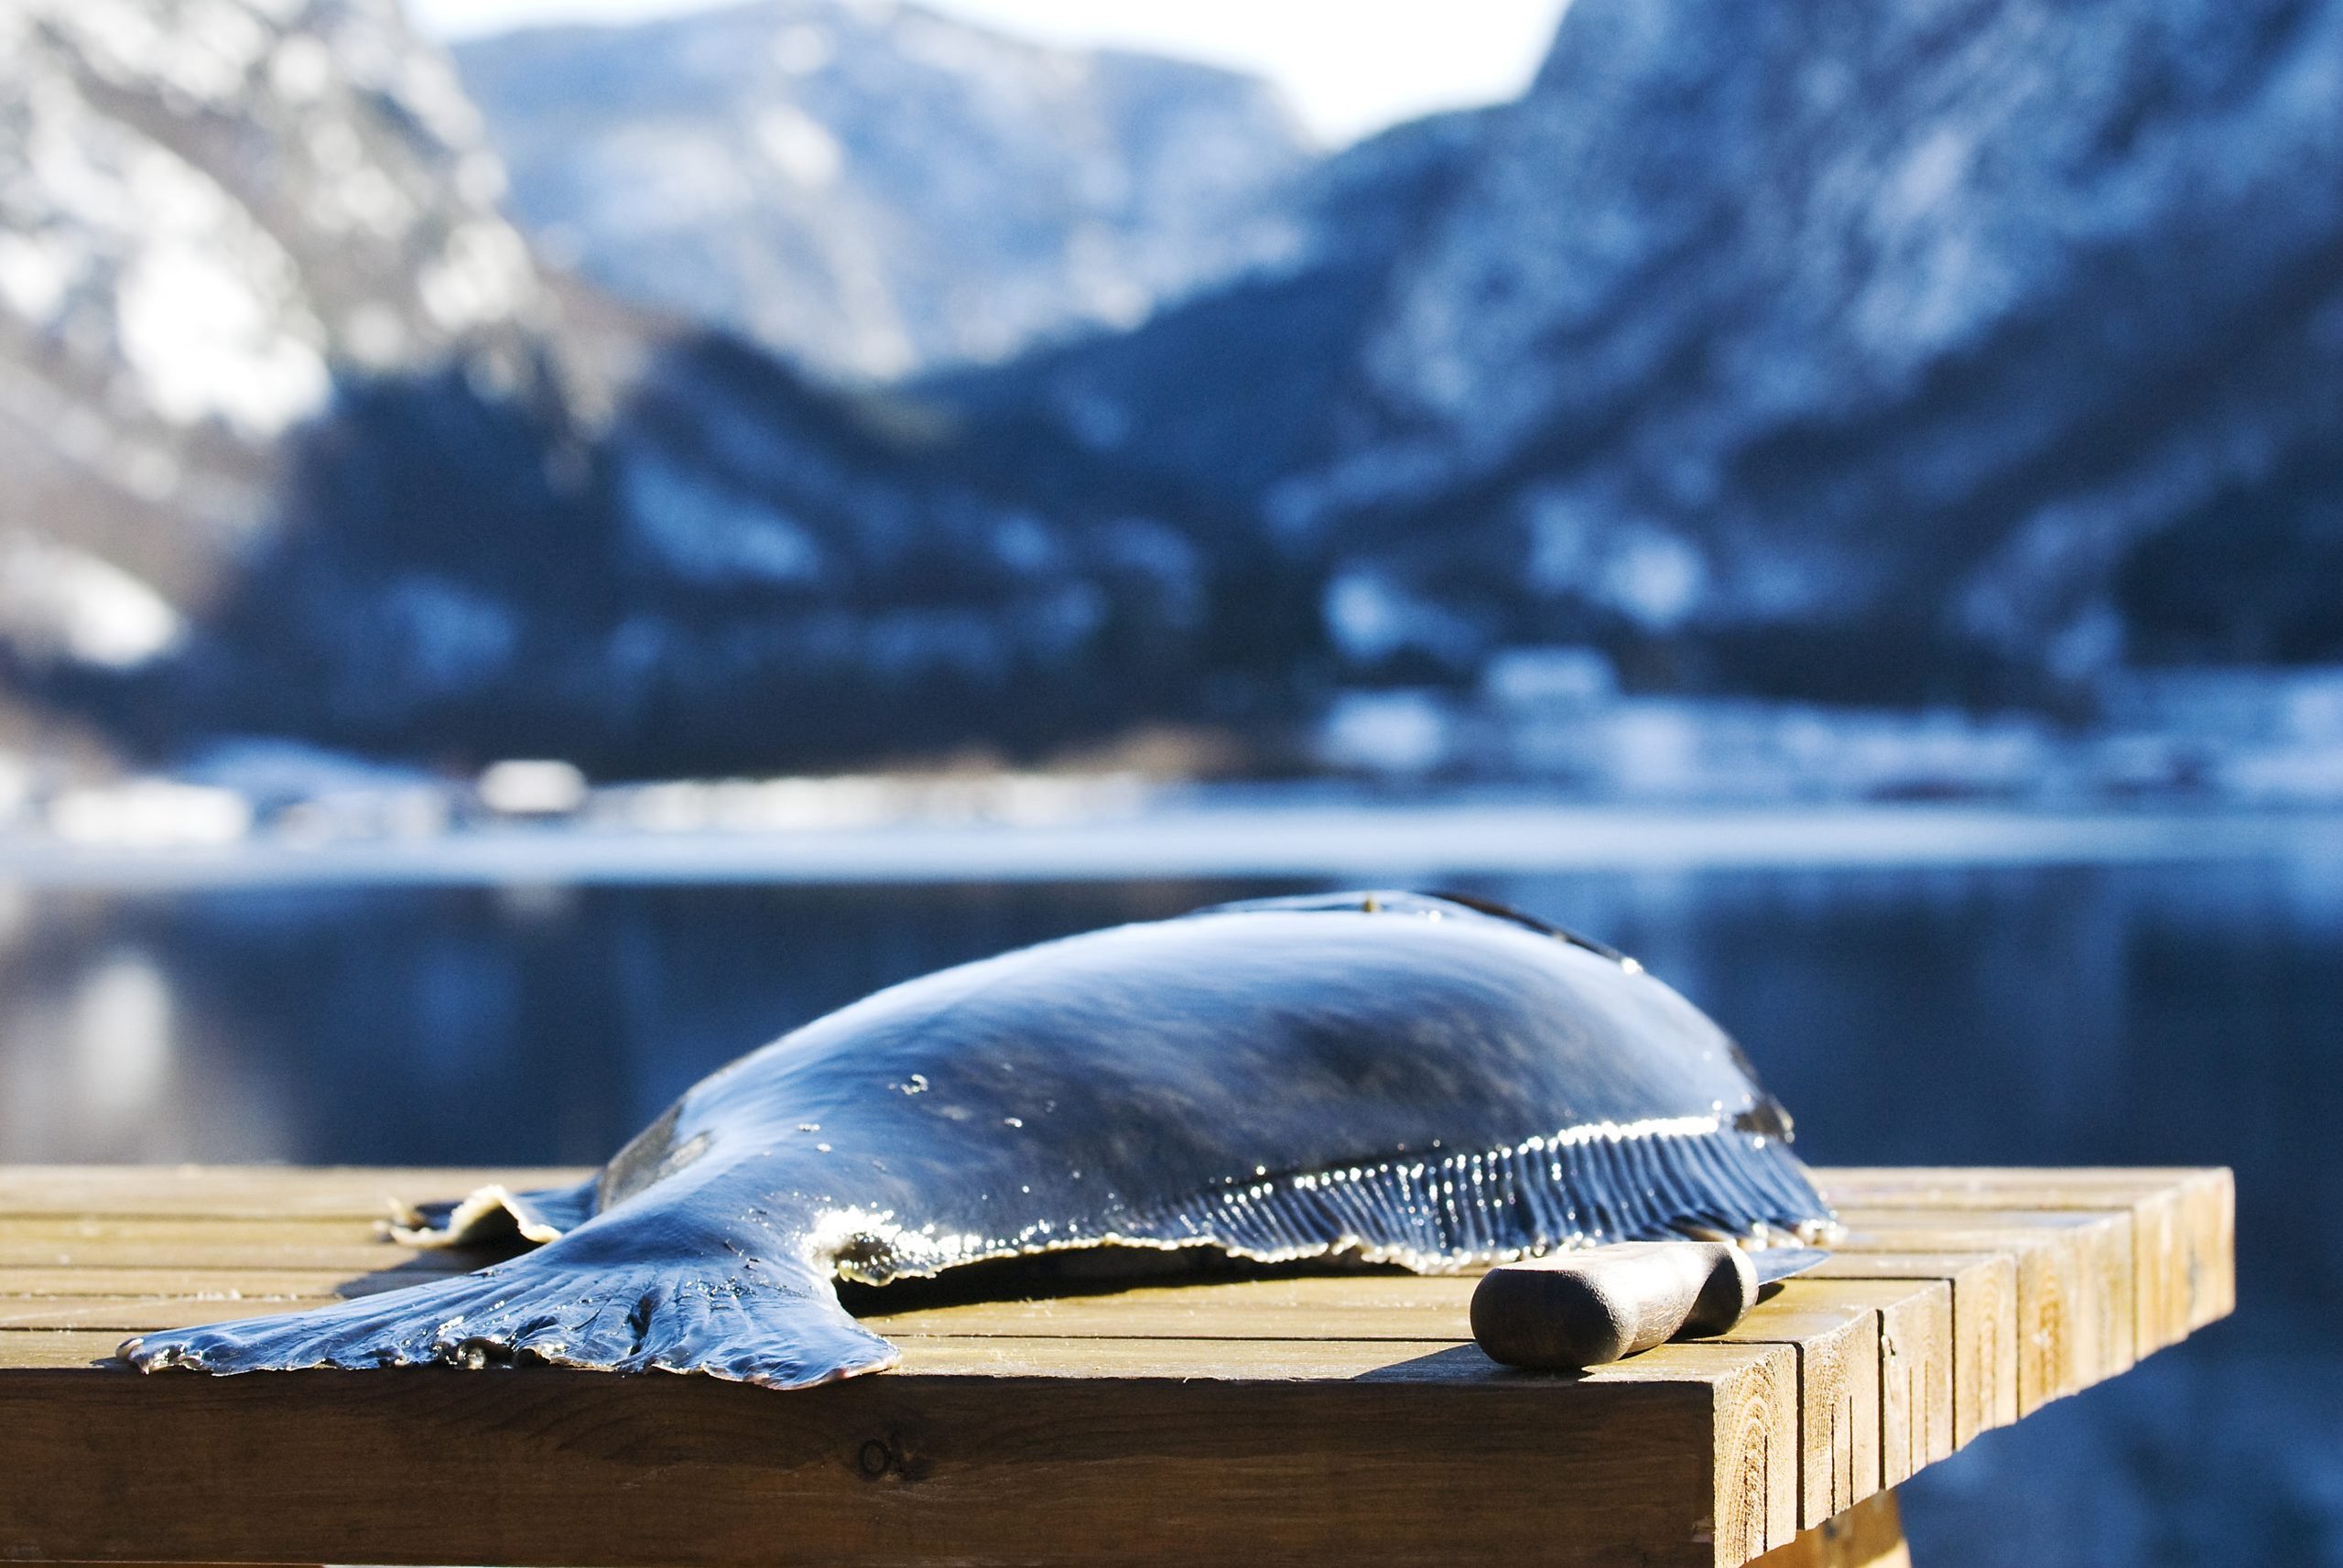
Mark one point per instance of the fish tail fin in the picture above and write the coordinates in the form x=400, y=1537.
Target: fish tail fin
x=588, y=1299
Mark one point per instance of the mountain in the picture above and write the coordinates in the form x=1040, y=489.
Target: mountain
x=1243, y=385
x=871, y=190
x=1905, y=328
x=302, y=441
x=1967, y=349
x=206, y=218
x=706, y=563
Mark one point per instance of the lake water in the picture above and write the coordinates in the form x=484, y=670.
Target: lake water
x=2037, y=1013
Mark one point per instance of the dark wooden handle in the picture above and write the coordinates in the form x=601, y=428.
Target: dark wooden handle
x=1593, y=1305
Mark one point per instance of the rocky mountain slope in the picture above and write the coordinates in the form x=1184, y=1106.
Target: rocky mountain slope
x=725, y=567
x=206, y=217
x=1910, y=323
x=1228, y=392
x=1967, y=351
x=302, y=441
x=1968, y=347
x=873, y=188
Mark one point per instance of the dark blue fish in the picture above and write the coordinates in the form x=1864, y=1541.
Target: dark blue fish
x=1387, y=1076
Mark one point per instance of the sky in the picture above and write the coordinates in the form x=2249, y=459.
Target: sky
x=1348, y=66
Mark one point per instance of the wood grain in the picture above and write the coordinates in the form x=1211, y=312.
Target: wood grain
x=1270, y=1421
x=26, y=1283
x=2183, y=1225
x=963, y=1454
x=1838, y=1348
x=1869, y=1535
x=141, y=1314
x=1916, y=1364
x=102, y=1240
x=1334, y=1306
x=2073, y=1283
x=1984, y=1299
x=255, y=1192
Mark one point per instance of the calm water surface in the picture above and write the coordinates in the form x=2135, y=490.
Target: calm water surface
x=2030, y=1014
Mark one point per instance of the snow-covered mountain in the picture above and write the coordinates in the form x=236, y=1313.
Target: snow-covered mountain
x=871, y=188
x=1239, y=389
x=1968, y=350
x=208, y=214
x=704, y=563
x=299, y=439
x=1971, y=346
x=1912, y=321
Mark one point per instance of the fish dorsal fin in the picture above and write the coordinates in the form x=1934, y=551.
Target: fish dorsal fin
x=1393, y=900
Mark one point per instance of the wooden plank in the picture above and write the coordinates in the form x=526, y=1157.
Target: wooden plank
x=1984, y=1350
x=2201, y=1286
x=241, y=1243
x=1299, y=1309
x=1381, y=1452
x=294, y=1253
x=2073, y=1283
x=55, y=1349
x=1980, y=1294
x=1854, y=1398
x=1336, y=1306
x=2183, y=1225
x=1916, y=1380
x=1916, y=1364
x=1869, y=1535
x=42, y=1347
x=255, y=1192
x=219, y=1284
x=1837, y=1349
x=142, y=1314
x=2205, y=1285
x=1287, y=1326
x=159, y=1235
x=1754, y=1473
x=2211, y=1262
x=2057, y=1352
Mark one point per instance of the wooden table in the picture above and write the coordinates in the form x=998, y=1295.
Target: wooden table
x=1311, y=1420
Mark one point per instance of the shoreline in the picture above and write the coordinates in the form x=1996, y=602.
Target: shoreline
x=1301, y=840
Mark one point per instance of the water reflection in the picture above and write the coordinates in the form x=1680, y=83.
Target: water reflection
x=120, y=1025
x=2110, y=1014
x=2003, y=1014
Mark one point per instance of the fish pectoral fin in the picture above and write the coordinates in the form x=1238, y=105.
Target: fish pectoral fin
x=495, y=1213
x=615, y=1297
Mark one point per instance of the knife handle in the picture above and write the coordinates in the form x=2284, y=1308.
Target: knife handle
x=1588, y=1306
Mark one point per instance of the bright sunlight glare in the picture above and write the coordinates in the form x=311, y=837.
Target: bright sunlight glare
x=1348, y=66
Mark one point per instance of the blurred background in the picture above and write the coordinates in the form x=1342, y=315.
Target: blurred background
x=546, y=542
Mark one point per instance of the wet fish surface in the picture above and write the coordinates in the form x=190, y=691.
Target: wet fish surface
x=1392, y=1078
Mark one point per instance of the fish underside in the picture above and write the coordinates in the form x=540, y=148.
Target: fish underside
x=1385, y=1078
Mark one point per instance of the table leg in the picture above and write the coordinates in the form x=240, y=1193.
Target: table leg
x=1869, y=1535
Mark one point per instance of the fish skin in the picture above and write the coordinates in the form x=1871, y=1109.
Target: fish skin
x=1401, y=1077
